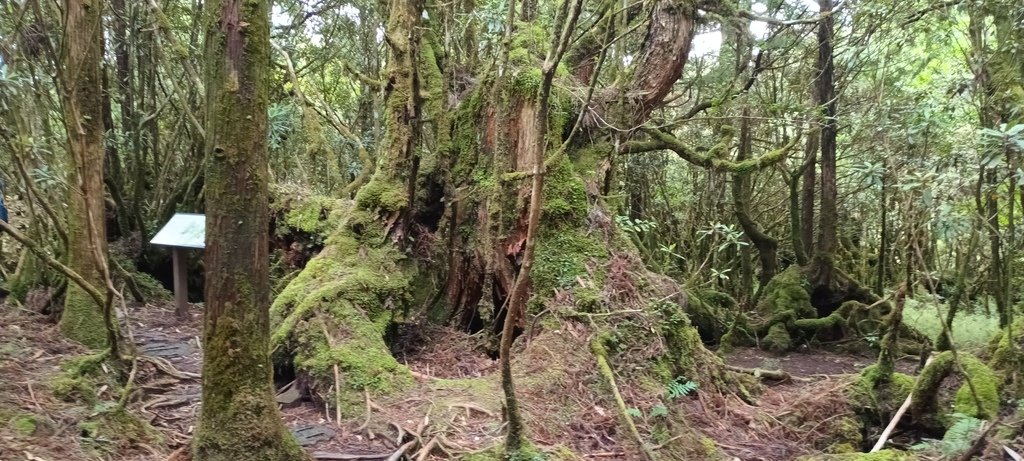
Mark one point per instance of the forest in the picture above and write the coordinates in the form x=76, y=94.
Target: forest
x=522, y=230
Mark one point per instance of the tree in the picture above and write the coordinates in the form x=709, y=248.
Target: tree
x=80, y=79
x=239, y=417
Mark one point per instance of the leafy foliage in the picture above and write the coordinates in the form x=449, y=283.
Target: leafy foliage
x=680, y=387
x=957, y=439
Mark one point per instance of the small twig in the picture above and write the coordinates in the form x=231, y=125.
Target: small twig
x=665, y=444
x=337, y=380
x=369, y=411
x=178, y=454
x=166, y=367
x=323, y=455
x=128, y=387
x=469, y=406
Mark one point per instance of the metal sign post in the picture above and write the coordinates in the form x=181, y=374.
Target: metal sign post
x=183, y=231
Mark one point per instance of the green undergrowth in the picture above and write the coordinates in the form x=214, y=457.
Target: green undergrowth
x=972, y=329
x=109, y=430
x=80, y=377
x=19, y=423
x=93, y=383
x=123, y=267
x=529, y=453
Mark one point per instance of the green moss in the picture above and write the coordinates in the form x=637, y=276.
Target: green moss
x=870, y=394
x=709, y=319
x=532, y=37
x=565, y=197
x=784, y=301
x=82, y=319
x=351, y=290
x=709, y=447
x=526, y=82
x=682, y=341
x=76, y=382
x=777, y=339
x=717, y=299
x=491, y=454
x=520, y=57
x=845, y=435
x=313, y=215
x=70, y=389
x=562, y=256
x=23, y=425
x=588, y=300
x=382, y=195
x=1006, y=358
x=587, y=160
x=787, y=291
x=121, y=427
x=986, y=386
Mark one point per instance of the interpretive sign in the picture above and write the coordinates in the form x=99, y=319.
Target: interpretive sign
x=186, y=230
x=183, y=231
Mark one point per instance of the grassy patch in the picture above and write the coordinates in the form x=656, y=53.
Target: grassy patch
x=972, y=329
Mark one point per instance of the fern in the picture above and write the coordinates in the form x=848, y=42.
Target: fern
x=634, y=412
x=957, y=439
x=680, y=387
x=659, y=410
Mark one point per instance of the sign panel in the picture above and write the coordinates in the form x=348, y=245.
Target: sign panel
x=186, y=230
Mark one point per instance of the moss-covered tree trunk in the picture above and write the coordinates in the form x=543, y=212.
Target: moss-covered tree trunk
x=239, y=417
x=81, y=95
x=372, y=272
x=826, y=91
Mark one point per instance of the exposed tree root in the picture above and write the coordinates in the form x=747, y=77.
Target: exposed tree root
x=606, y=372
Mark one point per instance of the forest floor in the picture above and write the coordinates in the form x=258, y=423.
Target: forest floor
x=455, y=404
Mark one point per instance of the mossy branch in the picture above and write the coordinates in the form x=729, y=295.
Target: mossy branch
x=711, y=157
x=33, y=247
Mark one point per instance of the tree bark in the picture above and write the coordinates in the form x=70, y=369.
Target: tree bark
x=808, y=196
x=828, y=215
x=81, y=94
x=239, y=417
x=767, y=247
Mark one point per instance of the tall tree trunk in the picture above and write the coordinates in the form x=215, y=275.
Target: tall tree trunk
x=239, y=417
x=808, y=196
x=986, y=194
x=767, y=247
x=826, y=91
x=81, y=93
x=883, y=247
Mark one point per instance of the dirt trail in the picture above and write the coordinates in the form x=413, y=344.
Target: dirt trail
x=455, y=399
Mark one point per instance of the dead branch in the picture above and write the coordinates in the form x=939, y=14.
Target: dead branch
x=778, y=375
